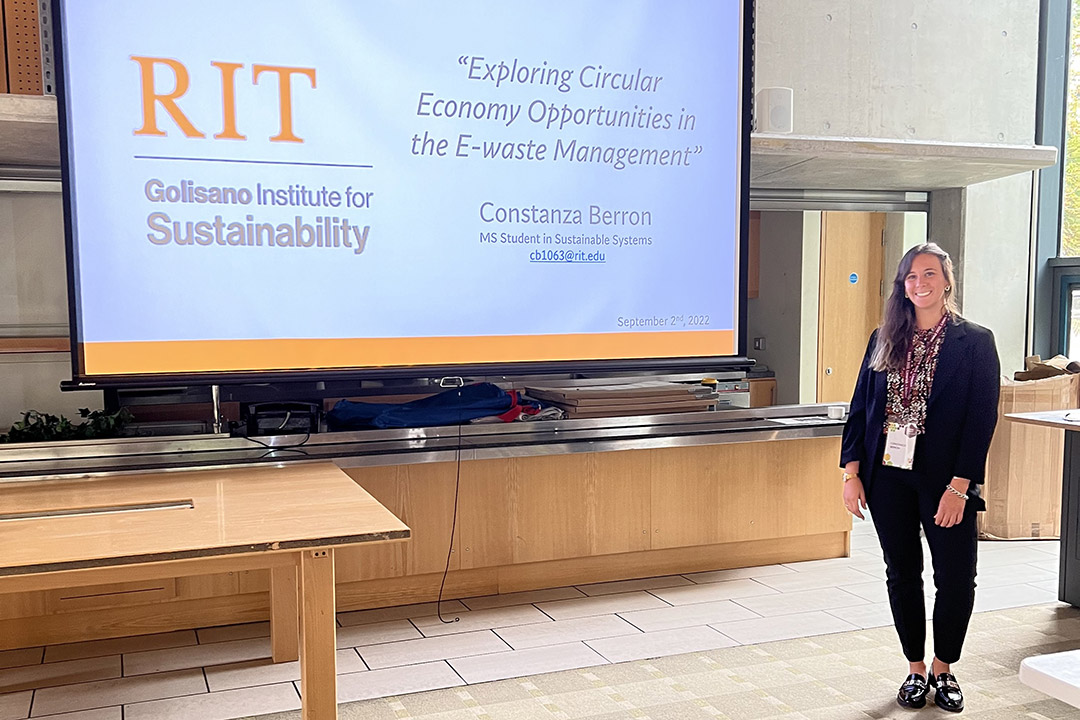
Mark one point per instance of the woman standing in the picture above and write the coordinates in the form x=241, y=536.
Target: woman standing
x=914, y=451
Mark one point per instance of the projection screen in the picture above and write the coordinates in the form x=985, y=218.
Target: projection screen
x=267, y=186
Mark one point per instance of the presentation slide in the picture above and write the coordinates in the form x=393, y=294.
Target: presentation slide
x=266, y=185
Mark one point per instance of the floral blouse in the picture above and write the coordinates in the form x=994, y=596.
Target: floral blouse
x=909, y=388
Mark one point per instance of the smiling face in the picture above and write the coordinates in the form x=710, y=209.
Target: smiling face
x=925, y=283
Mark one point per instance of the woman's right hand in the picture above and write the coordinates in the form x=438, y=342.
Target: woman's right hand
x=855, y=497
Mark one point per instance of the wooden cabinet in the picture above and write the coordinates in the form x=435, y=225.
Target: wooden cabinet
x=523, y=523
x=740, y=492
x=553, y=507
x=422, y=497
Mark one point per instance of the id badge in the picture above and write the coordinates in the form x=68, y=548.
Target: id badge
x=899, y=446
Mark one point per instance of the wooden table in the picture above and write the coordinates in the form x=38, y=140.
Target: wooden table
x=70, y=533
x=1069, y=568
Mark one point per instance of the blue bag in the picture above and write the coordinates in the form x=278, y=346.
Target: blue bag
x=450, y=407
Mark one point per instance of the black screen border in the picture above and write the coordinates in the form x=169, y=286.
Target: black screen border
x=82, y=380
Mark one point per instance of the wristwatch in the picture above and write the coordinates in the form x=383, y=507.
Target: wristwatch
x=848, y=476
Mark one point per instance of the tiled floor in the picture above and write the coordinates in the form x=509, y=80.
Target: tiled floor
x=221, y=673
x=840, y=676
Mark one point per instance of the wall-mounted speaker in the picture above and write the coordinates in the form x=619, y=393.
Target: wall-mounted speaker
x=773, y=110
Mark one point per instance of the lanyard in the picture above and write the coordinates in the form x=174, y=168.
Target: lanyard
x=911, y=370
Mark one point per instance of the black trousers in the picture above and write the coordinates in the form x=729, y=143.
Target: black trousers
x=900, y=501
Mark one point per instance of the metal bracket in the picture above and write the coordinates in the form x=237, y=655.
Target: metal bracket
x=215, y=395
x=48, y=65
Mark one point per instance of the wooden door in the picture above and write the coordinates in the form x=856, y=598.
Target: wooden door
x=850, y=298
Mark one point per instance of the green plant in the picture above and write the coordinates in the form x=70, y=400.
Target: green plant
x=36, y=426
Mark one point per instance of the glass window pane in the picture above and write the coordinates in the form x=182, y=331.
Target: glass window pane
x=1072, y=347
x=1070, y=221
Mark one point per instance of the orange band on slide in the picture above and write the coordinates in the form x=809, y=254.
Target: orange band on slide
x=192, y=356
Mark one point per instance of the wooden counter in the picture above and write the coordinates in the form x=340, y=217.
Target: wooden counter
x=524, y=523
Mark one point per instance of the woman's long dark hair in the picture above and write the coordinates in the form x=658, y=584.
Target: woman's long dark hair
x=894, y=335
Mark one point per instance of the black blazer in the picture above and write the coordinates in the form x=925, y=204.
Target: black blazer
x=961, y=412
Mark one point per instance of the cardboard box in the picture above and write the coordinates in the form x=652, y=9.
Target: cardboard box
x=1023, y=470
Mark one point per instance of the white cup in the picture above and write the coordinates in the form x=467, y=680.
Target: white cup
x=836, y=412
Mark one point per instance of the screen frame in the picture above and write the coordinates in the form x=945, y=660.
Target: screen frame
x=82, y=380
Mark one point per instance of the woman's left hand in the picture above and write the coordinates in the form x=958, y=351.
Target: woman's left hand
x=950, y=510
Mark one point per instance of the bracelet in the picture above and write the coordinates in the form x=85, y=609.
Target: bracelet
x=849, y=476
x=956, y=492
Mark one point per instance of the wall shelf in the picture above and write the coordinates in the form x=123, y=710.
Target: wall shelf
x=29, y=149
x=800, y=162
x=29, y=138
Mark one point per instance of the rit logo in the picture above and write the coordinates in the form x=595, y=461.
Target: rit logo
x=151, y=97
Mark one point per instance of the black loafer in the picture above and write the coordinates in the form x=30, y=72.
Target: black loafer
x=947, y=692
x=912, y=694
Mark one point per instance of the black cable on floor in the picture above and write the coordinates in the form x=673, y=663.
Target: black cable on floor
x=453, y=524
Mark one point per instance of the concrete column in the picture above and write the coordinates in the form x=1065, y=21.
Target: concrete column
x=948, y=219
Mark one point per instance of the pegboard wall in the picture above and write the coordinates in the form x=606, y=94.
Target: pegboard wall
x=26, y=57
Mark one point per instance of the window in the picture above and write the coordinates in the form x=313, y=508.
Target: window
x=1066, y=321
x=1072, y=337
x=1070, y=224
